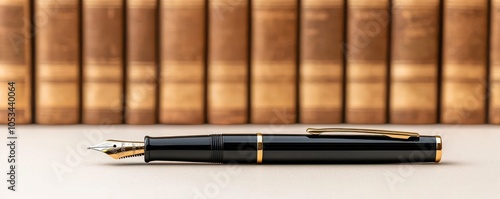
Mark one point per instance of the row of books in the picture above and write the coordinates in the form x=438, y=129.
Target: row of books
x=251, y=61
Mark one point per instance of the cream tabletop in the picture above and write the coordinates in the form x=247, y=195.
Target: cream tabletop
x=52, y=161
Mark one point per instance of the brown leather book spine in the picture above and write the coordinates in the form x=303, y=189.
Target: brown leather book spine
x=182, y=70
x=464, y=61
x=103, y=61
x=414, y=61
x=321, y=61
x=367, y=50
x=15, y=59
x=228, y=48
x=273, y=61
x=58, y=62
x=494, y=106
x=141, y=62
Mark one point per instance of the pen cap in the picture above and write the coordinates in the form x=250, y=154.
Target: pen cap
x=294, y=148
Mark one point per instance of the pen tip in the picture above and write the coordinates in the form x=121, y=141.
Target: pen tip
x=120, y=149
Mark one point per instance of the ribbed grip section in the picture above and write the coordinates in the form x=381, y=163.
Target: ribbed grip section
x=217, y=147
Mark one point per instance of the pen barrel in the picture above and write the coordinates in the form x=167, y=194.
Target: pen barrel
x=348, y=149
x=214, y=148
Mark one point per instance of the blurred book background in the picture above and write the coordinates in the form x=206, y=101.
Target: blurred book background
x=251, y=61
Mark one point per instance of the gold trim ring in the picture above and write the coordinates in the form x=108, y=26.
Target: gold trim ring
x=260, y=148
x=439, y=147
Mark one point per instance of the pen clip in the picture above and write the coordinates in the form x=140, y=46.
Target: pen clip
x=374, y=132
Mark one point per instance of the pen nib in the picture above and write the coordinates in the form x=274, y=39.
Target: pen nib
x=119, y=149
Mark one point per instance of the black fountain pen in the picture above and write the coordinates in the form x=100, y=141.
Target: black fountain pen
x=319, y=145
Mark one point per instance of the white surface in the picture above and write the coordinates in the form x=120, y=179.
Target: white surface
x=470, y=167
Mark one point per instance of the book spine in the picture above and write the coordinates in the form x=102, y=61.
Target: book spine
x=464, y=61
x=494, y=106
x=182, y=70
x=58, y=62
x=15, y=59
x=367, y=60
x=228, y=46
x=103, y=61
x=141, y=62
x=414, y=61
x=274, y=61
x=321, y=61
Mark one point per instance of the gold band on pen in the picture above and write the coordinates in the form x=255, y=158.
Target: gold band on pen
x=439, y=147
x=260, y=148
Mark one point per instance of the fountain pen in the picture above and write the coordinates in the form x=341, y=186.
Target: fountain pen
x=318, y=145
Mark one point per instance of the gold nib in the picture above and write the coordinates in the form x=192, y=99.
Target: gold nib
x=118, y=149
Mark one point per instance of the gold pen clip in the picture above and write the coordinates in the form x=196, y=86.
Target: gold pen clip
x=372, y=132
